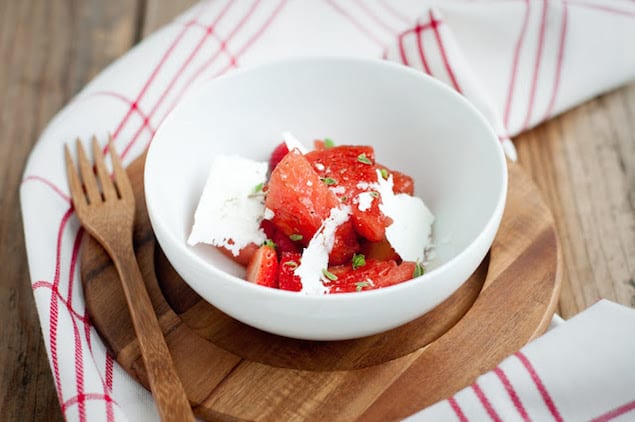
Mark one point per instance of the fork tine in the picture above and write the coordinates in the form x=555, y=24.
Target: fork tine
x=121, y=177
x=107, y=186
x=77, y=193
x=88, y=176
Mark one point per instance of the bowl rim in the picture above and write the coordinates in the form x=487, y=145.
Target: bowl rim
x=436, y=273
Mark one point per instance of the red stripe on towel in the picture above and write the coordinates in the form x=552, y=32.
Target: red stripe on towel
x=419, y=32
x=354, y=21
x=53, y=307
x=79, y=363
x=514, y=70
x=50, y=184
x=485, y=402
x=133, y=105
x=619, y=411
x=603, y=8
x=206, y=35
x=374, y=17
x=457, y=409
x=110, y=414
x=541, y=387
x=234, y=61
x=435, y=24
x=386, y=5
x=556, y=83
x=534, y=81
x=82, y=398
x=153, y=75
x=512, y=393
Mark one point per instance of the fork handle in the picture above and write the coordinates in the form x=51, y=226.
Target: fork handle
x=166, y=386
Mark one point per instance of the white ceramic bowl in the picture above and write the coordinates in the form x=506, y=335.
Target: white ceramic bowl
x=416, y=125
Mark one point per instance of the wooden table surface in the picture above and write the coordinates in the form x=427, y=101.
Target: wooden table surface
x=583, y=161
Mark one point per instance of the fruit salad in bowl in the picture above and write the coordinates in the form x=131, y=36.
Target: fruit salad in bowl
x=330, y=220
x=370, y=227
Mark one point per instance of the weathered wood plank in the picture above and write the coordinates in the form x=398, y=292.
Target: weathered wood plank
x=584, y=162
x=49, y=50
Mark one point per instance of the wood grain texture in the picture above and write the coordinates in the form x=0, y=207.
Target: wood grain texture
x=225, y=364
x=584, y=162
x=49, y=50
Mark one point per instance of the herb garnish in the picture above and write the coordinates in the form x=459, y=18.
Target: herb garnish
x=295, y=237
x=384, y=173
x=419, y=270
x=258, y=190
x=359, y=260
x=269, y=243
x=363, y=159
x=361, y=284
x=328, y=143
x=291, y=264
x=329, y=274
x=328, y=180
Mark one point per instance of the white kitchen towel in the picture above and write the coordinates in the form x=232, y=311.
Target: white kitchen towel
x=518, y=61
x=582, y=370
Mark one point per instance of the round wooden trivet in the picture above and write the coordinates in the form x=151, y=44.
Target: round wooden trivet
x=234, y=372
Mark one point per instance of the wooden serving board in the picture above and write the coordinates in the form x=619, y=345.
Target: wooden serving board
x=235, y=372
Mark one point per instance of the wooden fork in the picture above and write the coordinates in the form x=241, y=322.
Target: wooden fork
x=107, y=213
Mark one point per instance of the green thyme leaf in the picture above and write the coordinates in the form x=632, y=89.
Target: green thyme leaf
x=291, y=264
x=361, y=284
x=384, y=173
x=258, y=190
x=329, y=274
x=344, y=198
x=295, y=237
x=419, y=270
x=359, y=260
x=328, y=180
x=328, y=143
x=374, y=194
x=269, y=243
x=363, y=159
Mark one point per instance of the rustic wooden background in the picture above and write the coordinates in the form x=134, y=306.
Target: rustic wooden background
x=584, y=162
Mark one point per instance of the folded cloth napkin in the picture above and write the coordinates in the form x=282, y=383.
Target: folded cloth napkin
x=519, y=62
x=582, y=370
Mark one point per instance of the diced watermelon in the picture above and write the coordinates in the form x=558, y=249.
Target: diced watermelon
x=402, y=272
x=300, y=202
x=381, y=250
x=350, y=170
x=373, y=275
